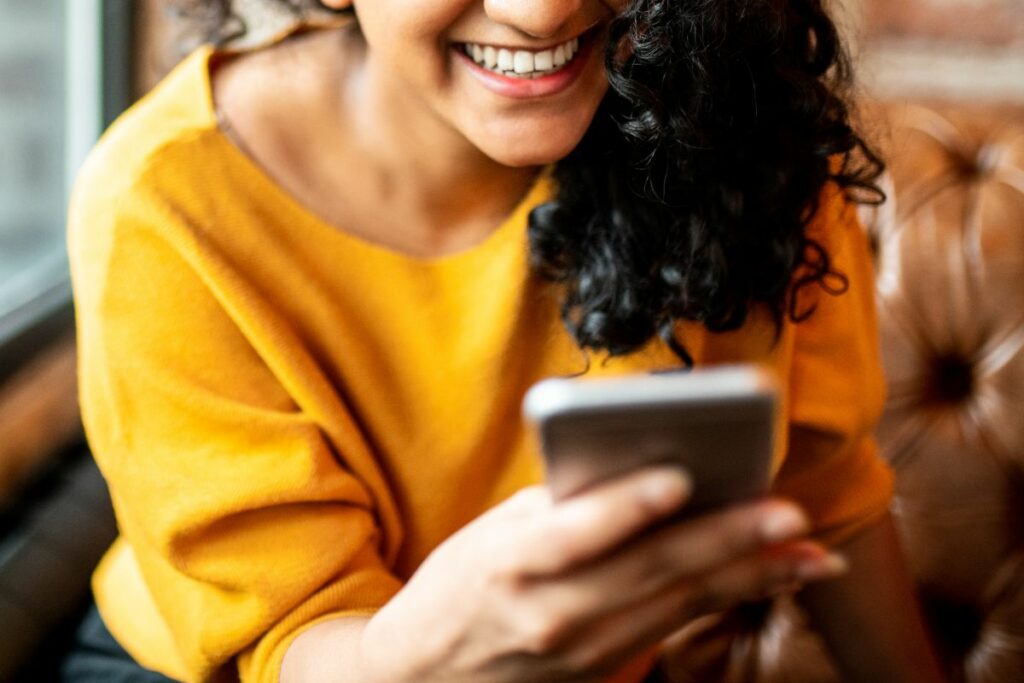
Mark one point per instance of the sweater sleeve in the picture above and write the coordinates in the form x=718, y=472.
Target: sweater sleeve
x=837, y=389
x=245, y=521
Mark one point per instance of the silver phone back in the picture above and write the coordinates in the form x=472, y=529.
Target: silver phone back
x=717, y=423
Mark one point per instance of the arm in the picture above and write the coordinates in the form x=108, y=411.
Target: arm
x=537, y=592
x=330, y=651
x=242, y=520
x=869, y=617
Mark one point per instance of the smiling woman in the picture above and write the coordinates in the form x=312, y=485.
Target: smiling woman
x=314, y=281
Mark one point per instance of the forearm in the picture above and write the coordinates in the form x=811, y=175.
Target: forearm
x=870, y=618
x=329, y=652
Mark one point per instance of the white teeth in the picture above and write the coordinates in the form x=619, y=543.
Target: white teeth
x=543, y=60
x=559, y=58
x=522, y=63
x=505, y=60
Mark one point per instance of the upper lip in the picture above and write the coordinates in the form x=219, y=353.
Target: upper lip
x=530, y=48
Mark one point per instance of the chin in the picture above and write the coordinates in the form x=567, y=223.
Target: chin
x=521, y=157
x=538, y=148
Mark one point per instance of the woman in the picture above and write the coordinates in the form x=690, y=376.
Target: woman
x=314, y=281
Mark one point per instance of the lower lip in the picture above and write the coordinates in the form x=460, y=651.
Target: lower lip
x=526, y=88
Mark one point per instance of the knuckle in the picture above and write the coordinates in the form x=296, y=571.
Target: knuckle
x=657, y=570
x=562, y=549
x=640, y=510
x=594, y=663
x=775, y=574
x=742, y=537
x=505, y=570
x=563, y=546
x=533, y=497
x=527, y=501
x=507, y=575
x=507, y=579
x=698, y=598
x=545, y=634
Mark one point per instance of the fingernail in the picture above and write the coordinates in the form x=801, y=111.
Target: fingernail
x=666, y=489
x=783, y=523
x=827, y=567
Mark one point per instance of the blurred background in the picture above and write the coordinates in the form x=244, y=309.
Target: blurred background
x=69, y=67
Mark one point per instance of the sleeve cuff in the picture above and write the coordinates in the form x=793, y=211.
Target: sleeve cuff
x=358, y=593
x=844, y=492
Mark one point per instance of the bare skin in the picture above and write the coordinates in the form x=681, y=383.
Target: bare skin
x=869, y=617
x=537, y=591
x=278, y=99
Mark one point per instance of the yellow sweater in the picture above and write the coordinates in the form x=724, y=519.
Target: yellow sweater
x=291, y=418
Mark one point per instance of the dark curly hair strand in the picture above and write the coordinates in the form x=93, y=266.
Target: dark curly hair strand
x=689, y=197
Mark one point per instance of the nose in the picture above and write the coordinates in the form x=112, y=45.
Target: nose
x=537, y=18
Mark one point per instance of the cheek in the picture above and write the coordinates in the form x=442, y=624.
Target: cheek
x=401, y=26
x=409, y=38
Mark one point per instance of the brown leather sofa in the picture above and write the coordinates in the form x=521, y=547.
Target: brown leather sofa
x=950, y=282
x=951, y=300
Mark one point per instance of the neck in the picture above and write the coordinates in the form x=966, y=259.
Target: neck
x=422, y=165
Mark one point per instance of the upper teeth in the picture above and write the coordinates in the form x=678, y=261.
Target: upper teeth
x=523, y=63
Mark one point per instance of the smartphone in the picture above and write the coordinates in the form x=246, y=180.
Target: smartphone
x=718, y=424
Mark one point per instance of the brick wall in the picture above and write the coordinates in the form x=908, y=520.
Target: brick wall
x=942, y=49
x=977, y=22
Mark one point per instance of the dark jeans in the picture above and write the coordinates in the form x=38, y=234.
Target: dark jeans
x=95, y=657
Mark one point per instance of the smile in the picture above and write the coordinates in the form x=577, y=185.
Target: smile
x=523, y=63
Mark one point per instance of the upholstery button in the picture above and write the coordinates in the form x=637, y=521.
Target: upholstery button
x=952, y=379
x=960, y=624
x=975, y=164
x=987, y=158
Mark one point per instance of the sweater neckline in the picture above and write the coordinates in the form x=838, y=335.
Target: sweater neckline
x=513, y=226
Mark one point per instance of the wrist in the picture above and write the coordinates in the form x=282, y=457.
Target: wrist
x=329, y=652
x=388, y=655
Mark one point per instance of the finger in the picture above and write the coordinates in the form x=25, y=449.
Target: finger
x=593, y=523
x=766, y=575
x=608, y=642
x=697, y=546
x=687, y=549
x=624, y=581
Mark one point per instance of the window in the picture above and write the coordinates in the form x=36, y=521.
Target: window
x=64, y=74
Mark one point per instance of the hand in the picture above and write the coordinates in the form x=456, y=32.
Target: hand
x=570, y=591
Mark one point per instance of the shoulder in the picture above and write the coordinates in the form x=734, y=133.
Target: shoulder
x=141, y=168
x=836, y=366
x=167, y=132
x=836, y=221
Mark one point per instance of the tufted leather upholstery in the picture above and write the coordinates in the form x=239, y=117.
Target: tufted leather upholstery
x=950, y=283
x=951, y=305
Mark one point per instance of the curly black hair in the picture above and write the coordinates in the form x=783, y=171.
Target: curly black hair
x=690, y=195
